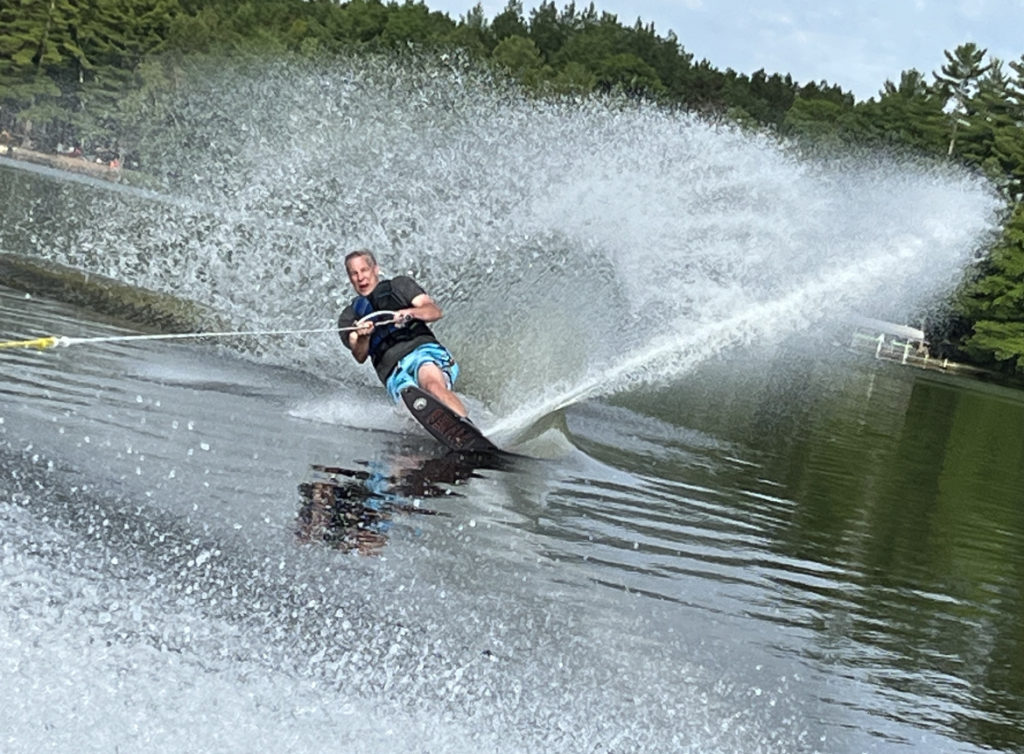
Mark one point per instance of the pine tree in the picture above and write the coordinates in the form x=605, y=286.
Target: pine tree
x=40, y=61
x=510, y=22
x=117, y=35
x=995, y=302
x=907, y=114
x=1015, y=91
x=990, y=120
x=473, y=32
x=546, y=29
x=958, y=83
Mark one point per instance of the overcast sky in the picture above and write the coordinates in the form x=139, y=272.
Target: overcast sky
x=857, y=44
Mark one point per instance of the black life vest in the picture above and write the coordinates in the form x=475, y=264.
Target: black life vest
x=382, y=298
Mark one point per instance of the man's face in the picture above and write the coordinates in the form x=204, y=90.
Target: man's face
x=363, y=274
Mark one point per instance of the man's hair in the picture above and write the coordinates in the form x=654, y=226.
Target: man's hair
x=360, y=253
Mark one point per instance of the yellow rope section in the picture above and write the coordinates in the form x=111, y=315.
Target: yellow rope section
x=40, y=343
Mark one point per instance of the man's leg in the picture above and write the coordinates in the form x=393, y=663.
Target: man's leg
x=432, y=379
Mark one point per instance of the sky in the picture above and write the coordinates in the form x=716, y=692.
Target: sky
x=857, y=44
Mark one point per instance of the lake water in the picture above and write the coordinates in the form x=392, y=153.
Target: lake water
x=727, y=532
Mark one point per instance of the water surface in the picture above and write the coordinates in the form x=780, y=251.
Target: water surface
x=728, y=534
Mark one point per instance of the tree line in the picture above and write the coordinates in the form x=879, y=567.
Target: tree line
x=81, y=72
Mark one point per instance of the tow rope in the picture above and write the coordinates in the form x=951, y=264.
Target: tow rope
x=54, y=341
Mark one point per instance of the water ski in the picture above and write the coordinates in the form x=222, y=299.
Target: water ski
x=444, y=424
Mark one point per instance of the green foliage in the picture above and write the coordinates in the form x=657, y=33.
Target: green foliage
x=908, y=115
x=574, y=78
x=957, y=83
x=547, y=30
x=1002, y=342
x=704, y=87
x=474, y=33
x=39, y=57
x=1006, y=161
x=518, y=55
x=592, y=44
x=767, y=98
x=817, y=119
x=412, y=23
x=510, y=22
x=994, y=303
x=628, y=73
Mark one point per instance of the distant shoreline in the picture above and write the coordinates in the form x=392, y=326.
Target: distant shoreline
x=63, y=162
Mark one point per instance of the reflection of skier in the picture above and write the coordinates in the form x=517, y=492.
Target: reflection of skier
x=333, y=514
x=353, y=509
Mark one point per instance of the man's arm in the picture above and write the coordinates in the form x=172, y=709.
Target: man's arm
x=359, y=341
x=423, y=308
x=421, y=305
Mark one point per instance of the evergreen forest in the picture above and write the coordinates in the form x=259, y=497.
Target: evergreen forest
x=78, y=72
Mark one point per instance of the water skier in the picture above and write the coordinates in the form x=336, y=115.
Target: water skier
x=404, y=352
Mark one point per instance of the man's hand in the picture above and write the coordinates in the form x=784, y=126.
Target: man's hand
x=359, y=340
x=403, y=317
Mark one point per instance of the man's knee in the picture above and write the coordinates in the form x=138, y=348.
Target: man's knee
x=430, y=376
